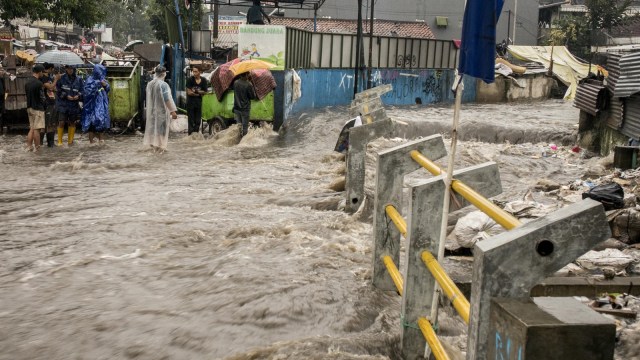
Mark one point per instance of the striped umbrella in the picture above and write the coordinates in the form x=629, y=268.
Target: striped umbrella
x=58, y=57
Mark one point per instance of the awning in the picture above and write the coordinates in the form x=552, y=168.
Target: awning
x=282, y=4
x=566, y=67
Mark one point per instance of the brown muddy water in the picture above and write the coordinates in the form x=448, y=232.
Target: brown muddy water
x=220, y=250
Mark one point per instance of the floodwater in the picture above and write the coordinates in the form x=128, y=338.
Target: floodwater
x=214, y=249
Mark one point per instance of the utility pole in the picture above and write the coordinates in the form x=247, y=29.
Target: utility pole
x=370, y=46
x=216, y=11
x=509, y=28
x=358, y=46
x=515, y=21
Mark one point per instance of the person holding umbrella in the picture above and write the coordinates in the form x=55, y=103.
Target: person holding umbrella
x=69, y=94
x=95, y=112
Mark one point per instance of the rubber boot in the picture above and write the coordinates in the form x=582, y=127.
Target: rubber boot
x=50, y=139
x=72, y=131
x=60, y=133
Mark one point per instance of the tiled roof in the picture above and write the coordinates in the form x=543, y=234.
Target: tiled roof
x=380, y=27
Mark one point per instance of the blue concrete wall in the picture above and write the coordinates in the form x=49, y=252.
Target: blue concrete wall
x=331, y=87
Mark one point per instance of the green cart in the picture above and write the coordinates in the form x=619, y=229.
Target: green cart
x=218, y=115
x=124, y=97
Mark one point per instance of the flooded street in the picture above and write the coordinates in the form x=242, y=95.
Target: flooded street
x=219, y=250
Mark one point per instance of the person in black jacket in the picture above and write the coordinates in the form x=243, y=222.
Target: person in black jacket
x=196, y=89
x=243, y=94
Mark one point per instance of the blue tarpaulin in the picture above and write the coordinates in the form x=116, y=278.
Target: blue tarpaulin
x=478, y=48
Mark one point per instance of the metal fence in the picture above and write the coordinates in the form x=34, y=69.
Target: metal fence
x=306, y=49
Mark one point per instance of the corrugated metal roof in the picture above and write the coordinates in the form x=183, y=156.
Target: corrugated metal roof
x=631, y=123
x=590, y=97
x=624, y=74
x=616, y=114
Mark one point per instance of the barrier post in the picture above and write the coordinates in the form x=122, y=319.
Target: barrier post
x=510, y=264
x=359, y=137
x=393, y=165
x=423, y=224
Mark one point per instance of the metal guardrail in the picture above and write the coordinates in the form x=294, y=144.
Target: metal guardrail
x=453, y=293
x=500, y=216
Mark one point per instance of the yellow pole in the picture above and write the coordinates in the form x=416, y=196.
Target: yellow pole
x=432, y=339
x=500, y=216
x=394, y=273
x=397, y=219
x=459, y=302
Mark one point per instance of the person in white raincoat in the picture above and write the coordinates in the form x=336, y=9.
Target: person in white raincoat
x=160, y=110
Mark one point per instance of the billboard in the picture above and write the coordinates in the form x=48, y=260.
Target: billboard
x=228, y=30
x=263, y=42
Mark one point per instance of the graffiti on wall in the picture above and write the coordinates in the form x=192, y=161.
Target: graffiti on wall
x=506, y=349
x=421, y=84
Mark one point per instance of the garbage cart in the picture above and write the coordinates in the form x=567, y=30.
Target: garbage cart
x=125, y=107
x=218, y=115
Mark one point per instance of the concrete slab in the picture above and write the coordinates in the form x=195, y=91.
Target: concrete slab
x=510, y=264
x=548, y=328
x=359, y=137
x=393, y=165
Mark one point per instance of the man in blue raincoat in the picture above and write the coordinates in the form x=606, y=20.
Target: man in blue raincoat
x=69, y=94
x=95, y=113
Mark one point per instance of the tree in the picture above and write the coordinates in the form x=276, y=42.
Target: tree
x=127, y=23
x=84, y=13
x=155, y=14
x=602, y=15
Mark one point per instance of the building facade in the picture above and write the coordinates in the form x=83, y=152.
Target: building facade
x=518, y=21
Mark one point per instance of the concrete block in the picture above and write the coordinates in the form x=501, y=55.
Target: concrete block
x=374, y=92
x=393, y=165
x=548, y=328
x=423, y=233
x=359, y=137
x=510, y=264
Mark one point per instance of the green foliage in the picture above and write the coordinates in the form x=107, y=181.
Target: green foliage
x=577, y=32
x=128, y=22
x=572, y=32
x=607, y=14
x=155, y=16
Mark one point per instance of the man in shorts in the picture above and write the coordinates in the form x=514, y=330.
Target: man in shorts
x=69, y=94
x=35, y=108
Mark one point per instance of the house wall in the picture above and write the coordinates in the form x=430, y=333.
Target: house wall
x=334, y=87
x=534, y=87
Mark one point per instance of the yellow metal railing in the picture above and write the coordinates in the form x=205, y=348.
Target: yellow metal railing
x=397, y=219
x=432, y=339
x=459, y=302
x=500, y=216
x=394, y=273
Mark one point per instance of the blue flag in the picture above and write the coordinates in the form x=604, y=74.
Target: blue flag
x=478, y=48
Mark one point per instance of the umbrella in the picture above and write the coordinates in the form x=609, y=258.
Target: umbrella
x=59, y=58
x=248, y=65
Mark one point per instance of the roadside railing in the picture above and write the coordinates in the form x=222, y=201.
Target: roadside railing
x=423, y=277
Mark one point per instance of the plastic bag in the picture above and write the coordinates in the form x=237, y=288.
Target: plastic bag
x=610, y=195
x=179, y=125
x=473, y=227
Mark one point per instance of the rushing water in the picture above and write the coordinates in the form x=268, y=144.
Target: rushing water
x=211, y=250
